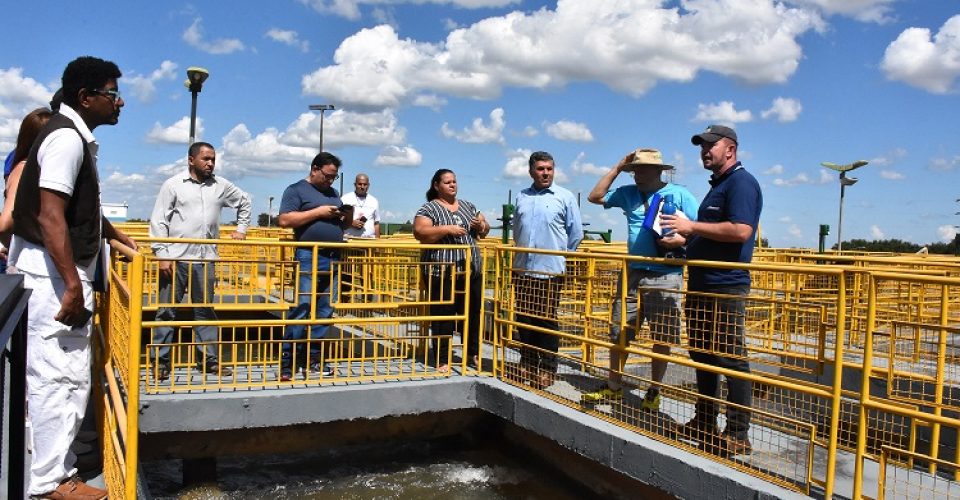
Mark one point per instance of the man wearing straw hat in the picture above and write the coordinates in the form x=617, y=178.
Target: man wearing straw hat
x=652, y=288
x=725, y=230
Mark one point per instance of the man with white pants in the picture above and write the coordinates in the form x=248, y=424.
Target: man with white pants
x=58, y=229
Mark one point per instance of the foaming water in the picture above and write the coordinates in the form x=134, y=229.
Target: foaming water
x=396, y=471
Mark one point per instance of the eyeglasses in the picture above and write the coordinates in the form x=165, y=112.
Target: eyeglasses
x=329, y=177
x=112, y=94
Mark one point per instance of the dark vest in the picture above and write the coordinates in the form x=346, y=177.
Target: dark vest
x=83, y=215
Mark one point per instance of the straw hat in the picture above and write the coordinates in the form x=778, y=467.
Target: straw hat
x=647, y=158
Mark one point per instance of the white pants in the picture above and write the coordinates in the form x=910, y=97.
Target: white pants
x=58, y=381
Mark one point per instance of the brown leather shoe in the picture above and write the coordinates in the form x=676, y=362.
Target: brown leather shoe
x=729, y=446
x=75, y=489
x=543, y=379
x=697, y=430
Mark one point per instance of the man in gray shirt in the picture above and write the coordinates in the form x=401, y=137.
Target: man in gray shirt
x=188, y=206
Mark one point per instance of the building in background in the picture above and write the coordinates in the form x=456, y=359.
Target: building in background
x=115, y=212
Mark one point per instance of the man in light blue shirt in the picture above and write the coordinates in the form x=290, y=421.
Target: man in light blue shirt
x=652, y=288
x=546, y=218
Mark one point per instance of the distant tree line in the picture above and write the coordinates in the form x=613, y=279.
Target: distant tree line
x=263, y=218
x=899, y=246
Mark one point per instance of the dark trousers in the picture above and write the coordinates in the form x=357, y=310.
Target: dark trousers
x=441, y=290
x=715, y=326
x=196, y=281
x=537, y=301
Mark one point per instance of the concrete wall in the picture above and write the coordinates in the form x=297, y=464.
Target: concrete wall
x=616, y=460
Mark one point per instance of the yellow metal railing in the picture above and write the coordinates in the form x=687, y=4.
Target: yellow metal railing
x=118, y=362
x=783, y=333
x=808, y=320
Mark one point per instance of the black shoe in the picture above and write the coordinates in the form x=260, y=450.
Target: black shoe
x=321, y=369
x=163, y=372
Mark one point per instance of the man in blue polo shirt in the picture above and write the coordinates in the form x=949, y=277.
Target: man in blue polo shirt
x=312, y=208
x=725, y=230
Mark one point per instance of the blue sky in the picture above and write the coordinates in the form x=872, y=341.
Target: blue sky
x=476, y=85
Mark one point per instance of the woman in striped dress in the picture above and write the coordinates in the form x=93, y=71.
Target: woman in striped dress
x=446, y=220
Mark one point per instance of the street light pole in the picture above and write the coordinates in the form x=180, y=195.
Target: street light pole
x=844, y=182
x=321, y=108
x=269, y=211
x=195, y=78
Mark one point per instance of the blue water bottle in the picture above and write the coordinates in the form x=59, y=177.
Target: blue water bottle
x=668, y=208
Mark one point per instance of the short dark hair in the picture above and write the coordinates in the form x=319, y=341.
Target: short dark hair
x=194, y=149
x=56, y=100
x=325, y=158
x=539, y=156
x=86, y=72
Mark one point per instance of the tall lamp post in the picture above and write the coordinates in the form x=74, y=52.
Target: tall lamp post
x=269, y=211
x=321, y=108
x=195, y=78
x=844, y=182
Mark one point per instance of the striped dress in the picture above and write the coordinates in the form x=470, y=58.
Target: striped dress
x=440, y=216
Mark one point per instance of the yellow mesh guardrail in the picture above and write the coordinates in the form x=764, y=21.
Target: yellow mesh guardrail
x=807, y=320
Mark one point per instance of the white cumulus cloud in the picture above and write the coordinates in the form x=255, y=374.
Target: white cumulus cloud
x=19, y=95
x=290, y=150
x=873, y=11
x=145, y=86
x=797, y=180
x=929, y=62
x=580, y=166
x=350, y=9
x=566, y=130
x=629, y=46
x=529, y=131
x=890, y=157
x=944, y=164
x=517, y=166
x=244, y=153
x=288, y=37
x=479, y=132
x=345, y=128
x=193, y=35
x=891, y=175
x=876, y=233
x=178, y=133
x=722, y=112
x=783, y=110
x=774, y=170
x=399, y=156
x=947, y=233
x=431, y=101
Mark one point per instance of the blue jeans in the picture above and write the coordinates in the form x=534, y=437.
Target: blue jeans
x=326, y=291
x=199, y=276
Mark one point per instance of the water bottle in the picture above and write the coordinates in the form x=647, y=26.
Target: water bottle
x=668, y=208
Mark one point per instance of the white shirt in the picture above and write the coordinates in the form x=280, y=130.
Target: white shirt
x=60, y=157
x=186, y=208
x=368, y=207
